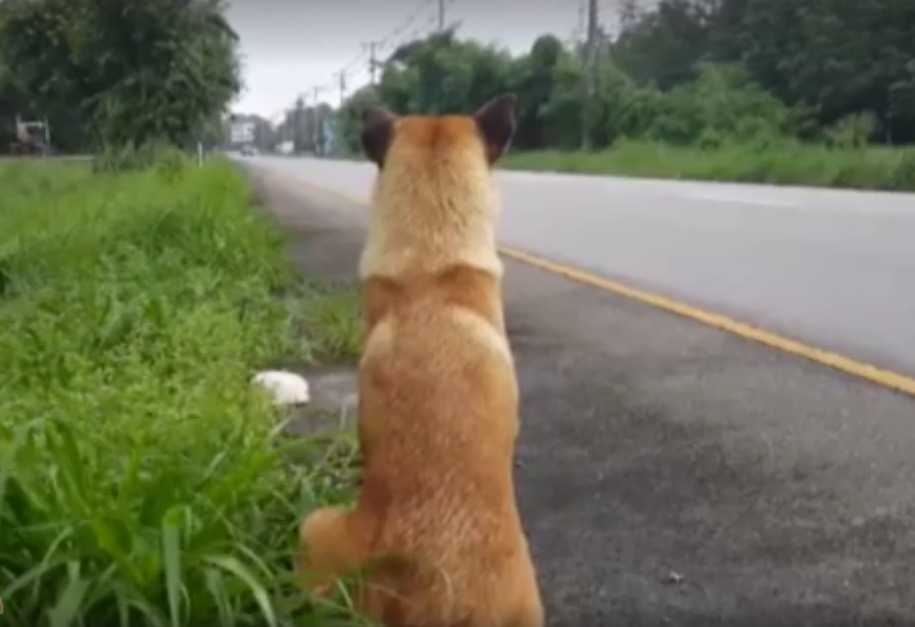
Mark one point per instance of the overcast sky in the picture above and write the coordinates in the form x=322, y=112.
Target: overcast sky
x=289, y=46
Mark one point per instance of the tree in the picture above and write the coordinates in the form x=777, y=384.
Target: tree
x=349, y=117
x=532, y=79
x=901, y=105
x=662, y=47
x=130, y=71
x=442, y=74
x=688, y=72
x=839, y=57
x=42, y=76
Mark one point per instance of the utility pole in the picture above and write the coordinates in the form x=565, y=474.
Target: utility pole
x=373, y=60
x=591, y=47
x=316, y=122
x=47, y=135
x=441, y=15
x=582, y=18
x=289, y=131
x=341, y=81
x=296, y=122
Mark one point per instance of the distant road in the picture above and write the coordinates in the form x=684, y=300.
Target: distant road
x=831, y=268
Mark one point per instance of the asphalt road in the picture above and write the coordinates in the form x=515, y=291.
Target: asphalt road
x=671, y=473
x=830, y=268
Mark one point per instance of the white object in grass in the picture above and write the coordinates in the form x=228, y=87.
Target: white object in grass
x=287, y=388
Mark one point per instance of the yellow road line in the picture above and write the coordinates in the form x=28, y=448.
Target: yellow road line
x=871, y=373
x=879, y=376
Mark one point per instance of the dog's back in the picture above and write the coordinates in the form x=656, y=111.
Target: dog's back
x=438, y=415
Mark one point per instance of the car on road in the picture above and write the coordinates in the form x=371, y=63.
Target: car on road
x=248, y=151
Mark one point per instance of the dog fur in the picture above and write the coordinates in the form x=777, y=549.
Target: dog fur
x=436, y=528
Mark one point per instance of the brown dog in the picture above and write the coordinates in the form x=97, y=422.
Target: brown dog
x=436, y=527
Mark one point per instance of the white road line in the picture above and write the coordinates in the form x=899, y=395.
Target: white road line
x=727, y=198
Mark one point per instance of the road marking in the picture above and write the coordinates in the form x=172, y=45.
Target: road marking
x=729, y=198
x=868, y=372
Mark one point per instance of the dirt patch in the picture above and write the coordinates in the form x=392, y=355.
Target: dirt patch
x=333, y=402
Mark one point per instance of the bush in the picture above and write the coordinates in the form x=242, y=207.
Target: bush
x=166, y=157
x=722, y=101
x=904, y=175
x=852, y=131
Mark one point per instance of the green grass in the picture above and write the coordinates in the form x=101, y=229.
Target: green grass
x=142, y=480
x=786, y=163
x=331, y=323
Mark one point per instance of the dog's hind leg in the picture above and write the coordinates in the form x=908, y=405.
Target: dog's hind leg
x=330, y=549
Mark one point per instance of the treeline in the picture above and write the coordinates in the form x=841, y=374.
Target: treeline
x=117, y=73
x=702, y=73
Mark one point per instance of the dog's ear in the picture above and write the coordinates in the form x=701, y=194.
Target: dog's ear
x=496, y=122
x=377, y=133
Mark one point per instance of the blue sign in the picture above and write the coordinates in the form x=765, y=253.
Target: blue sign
x=330, y=134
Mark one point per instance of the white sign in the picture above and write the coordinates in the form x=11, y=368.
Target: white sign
x=242, y=132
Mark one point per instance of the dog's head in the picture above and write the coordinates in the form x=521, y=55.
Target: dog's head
x=486, y=135
x=434, y=200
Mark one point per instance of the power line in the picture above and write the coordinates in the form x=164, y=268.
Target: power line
x=341, y=78
x=372, y=48
x=354, y=61
x=386, y=42
x=411, y=18
x=403, y=33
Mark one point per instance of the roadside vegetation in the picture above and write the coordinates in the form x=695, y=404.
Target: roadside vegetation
x=781, y=163
x=773, y=91
x=143, y=481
